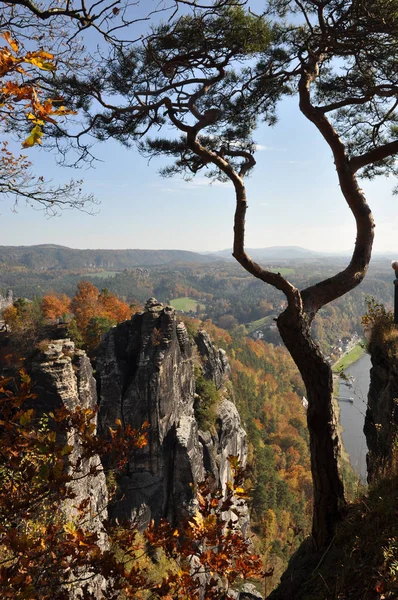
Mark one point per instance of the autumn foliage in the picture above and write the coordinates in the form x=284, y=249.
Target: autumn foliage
x=85, y=317
x=40, y=549
x=26, y=108
x=95, y=312
x=44, y=554
x=92, y=312
x=55, y=306
x=85, y=304
x=20, y=91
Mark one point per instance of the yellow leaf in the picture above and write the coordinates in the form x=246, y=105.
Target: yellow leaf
x=34, y=138
x=70, y=528
x=35, y=120
x=42, y=60
x=66, y=450
x=198, y=520
x=210, y=521
x=25, y=378
x=7, y=36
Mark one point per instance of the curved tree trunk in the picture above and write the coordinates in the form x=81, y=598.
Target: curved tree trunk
x=294, y=328
x=295, y=322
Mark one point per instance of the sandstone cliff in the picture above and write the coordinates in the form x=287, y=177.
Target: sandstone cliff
x=145, y=372
x=381, y=422
x=63, y=377
x=7, y=300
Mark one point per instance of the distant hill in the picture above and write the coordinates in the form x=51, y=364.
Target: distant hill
x=275, y=253
x=51, y=256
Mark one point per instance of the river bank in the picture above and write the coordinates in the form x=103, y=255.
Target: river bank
x=349, y=357
x=352, y=393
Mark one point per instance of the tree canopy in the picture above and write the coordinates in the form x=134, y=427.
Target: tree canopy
x=40, y=44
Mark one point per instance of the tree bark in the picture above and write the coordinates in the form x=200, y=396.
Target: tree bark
x=325, y=448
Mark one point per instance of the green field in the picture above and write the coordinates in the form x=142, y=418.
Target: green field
x=349, y=358
x=186, y=304
x=258, y=324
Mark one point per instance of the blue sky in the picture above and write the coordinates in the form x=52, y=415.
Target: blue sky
x=294, y=199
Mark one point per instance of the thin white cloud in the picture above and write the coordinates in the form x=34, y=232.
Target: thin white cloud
x=260, y=147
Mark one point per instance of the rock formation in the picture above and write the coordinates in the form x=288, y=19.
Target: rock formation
x=381, y=422
x=145, y=372
x=63, y=377
x=7, y=300
x=214, y=361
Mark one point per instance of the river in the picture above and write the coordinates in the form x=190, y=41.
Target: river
x=352, y=415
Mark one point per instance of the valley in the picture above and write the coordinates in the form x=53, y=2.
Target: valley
x=267, y=387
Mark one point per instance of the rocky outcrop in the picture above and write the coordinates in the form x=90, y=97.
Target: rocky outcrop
x=145, y=372
x=249, y=592
x=230, y=438
x=381, y=421
x=214, y=360
x=63, y=377
x=7, y=300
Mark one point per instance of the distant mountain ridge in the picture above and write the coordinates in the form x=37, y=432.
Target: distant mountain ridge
x=275, y=253
x=52, y=256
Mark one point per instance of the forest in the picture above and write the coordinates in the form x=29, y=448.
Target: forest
x=227, y=295
x=265, y=385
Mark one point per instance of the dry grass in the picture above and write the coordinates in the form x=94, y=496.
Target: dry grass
x=362, y=561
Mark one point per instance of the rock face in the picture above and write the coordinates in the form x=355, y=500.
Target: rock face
x=381, y=422
x=64, y=377
x=146, y=373
x=7, y=300
x=215, y=362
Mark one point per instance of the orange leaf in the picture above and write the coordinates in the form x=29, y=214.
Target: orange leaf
x=380, y=587
x=7, y=36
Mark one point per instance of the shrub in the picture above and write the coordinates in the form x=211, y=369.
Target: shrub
x=379, y=326
x=206, y=402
